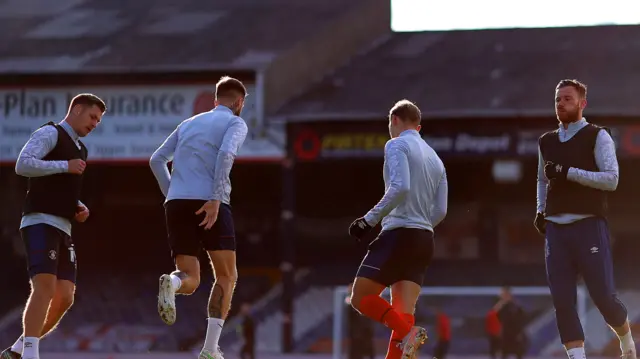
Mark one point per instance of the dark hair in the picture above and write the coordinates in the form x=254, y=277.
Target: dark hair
x=579, y=86
x=88, y=99
x=228, y=86
x=406, y=111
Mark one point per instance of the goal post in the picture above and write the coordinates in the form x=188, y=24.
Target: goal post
x=340, y=295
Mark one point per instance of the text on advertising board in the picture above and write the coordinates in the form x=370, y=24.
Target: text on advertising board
x=312, y=145
x=308, y=145
x=24, y=104
x=137, y=120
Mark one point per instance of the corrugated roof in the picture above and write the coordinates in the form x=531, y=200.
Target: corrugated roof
x=42, y=35
x=492, y=72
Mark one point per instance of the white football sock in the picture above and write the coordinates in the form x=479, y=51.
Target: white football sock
x=176, y=282
x=17, y=346
x=214, y=328
x=626, y=342
x=576, y=353
x=31, y=348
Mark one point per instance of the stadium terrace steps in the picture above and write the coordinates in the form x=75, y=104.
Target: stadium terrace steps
x=113, y=305
x=310, y=308
x=266, y=305
x=466, y=317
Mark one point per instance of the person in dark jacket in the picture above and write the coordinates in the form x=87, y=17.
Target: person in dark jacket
x=513, y=321
x=493, y=329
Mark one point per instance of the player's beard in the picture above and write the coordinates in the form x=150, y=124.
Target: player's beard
x=568, y=117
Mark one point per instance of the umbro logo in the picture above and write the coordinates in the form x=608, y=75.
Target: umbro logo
x=558, y=168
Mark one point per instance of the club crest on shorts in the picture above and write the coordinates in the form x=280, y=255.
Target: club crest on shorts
x=53, y=255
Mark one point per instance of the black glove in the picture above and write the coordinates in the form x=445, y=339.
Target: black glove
x=359, y=228
x=540, y=223
x=555, y=171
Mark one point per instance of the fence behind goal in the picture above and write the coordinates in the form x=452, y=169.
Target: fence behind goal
x=467, y=308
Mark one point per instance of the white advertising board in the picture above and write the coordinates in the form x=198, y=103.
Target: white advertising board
x=137, y=121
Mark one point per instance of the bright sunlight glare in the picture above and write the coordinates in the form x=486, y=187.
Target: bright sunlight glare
x=444, y=15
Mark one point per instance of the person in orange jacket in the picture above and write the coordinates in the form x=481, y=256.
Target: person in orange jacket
x=443, y=327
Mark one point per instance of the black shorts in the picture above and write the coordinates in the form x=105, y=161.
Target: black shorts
x=49, y=251
x=401, y=254
x=187, y=237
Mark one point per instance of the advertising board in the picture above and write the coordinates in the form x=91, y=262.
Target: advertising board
x=137, y=121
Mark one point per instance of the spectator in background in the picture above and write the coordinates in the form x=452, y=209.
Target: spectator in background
x=512, y=319
x=360, y=332
x=493, y=329
x=248, y=350
x=443, y=325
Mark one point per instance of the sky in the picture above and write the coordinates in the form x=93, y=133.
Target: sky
x=443, y=15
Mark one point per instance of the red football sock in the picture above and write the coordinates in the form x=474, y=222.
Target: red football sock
x=378, y=309
x=393, y=351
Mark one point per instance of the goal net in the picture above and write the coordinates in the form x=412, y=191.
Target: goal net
x=467, y=308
